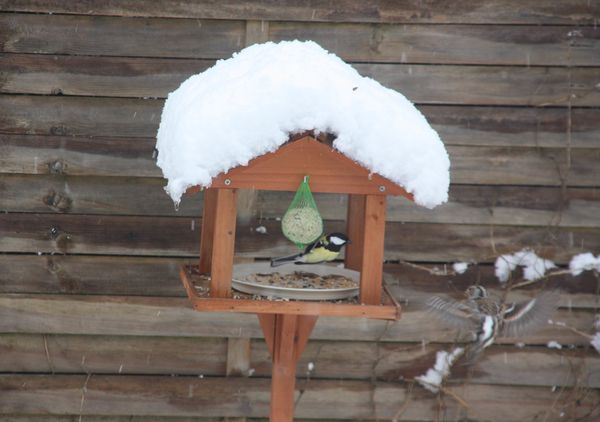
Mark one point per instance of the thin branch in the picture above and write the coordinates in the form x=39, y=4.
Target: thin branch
x=405, y=404
x=83, y=391
x=48, y=358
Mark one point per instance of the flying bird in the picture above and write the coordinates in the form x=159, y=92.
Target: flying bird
x=487, y=318
x=326, y=248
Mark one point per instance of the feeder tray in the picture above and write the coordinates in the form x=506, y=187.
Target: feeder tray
x=197, y=286
x=241, y=283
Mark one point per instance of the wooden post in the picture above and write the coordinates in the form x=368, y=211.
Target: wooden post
x=372, y=251
x=286, y=336
x=355, y=223
x=208, y=229
x=283, y=379
x=223, y=243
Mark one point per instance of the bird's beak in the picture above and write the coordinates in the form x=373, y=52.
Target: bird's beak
x=348, y=242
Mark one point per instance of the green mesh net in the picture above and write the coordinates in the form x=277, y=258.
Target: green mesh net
x=302, y=223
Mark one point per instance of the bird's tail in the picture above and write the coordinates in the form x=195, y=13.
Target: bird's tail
x=276, y=262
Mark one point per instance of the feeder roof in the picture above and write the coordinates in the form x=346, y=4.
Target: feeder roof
x=248, y=105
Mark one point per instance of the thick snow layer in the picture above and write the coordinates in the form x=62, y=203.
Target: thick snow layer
x=248, y=105
x=534, y=267
x=584, y=262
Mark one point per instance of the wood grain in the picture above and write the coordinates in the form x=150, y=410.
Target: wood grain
x=468, y=204
x=457, y=125
x=107, y=36
x=144, y=276
x=422, y=84
x=135, y=395
x=148, y=316
x=449, y=44
x=505, y=365
x=470, y=165
x=158, y=277
x=438, y=11
x=130, y=235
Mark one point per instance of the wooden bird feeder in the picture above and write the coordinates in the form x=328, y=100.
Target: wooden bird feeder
x=287, y=324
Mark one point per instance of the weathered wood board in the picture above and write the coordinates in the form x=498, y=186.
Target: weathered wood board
x=438, y=11
x=468, y=204
x=422, y=84
x=153, y=316
x=186, y=396
x=143, y=235
x=194, y=356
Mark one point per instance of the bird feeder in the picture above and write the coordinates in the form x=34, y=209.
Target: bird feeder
x=287, y=324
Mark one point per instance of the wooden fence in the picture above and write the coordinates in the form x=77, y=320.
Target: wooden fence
x=93, y=321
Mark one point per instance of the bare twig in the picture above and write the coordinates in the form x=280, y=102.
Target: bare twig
x=405, y=404
x=456, y=397
x=48, y=358
x=83, y=391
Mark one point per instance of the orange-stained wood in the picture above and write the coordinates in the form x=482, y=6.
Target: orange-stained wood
x=329, y=171
x=355, y=223
x=267, y=324
x=208, y=229
x=385, y=310
x=306, y=323
x=283, y=379
x=223, y=243
x=372, y=251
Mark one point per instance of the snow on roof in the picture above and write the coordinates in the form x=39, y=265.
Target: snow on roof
x=248, y=105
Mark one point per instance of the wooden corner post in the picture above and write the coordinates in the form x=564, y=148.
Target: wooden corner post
x=371, y=272
x=355, y=229
x=218, y=239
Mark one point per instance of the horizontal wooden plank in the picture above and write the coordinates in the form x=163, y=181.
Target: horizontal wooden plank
x=457, y=125
x=152, y=316
x=173, y=396
x=468, y=204
x=449, y=44
x=168, y=236
x=504, y=365
x=95, y=35
x=423, y=84
x=156, y=276
x=114, y=418
x=436, y=11
x=135, y=157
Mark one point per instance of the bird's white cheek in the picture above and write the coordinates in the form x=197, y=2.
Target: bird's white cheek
x=336, y=240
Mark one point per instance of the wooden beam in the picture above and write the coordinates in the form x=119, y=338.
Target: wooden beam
x=223, y=243
x=306, y=323
x=355, y=222
x=208, y=229
x=267, y=324
x=284, y=369
x=371, y=275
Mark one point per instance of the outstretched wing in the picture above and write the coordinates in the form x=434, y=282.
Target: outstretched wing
x=525, y=317
x=454, y=314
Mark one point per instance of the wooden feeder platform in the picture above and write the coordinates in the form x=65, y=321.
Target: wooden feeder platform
x=193, y=281
x=287, y=324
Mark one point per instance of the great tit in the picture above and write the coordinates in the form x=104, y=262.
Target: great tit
x=326, y=248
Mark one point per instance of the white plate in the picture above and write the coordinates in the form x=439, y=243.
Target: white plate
x=241, y=271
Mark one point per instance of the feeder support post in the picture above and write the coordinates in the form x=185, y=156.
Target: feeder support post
x=355, y=226
x=218, y=239
x=371, y=273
